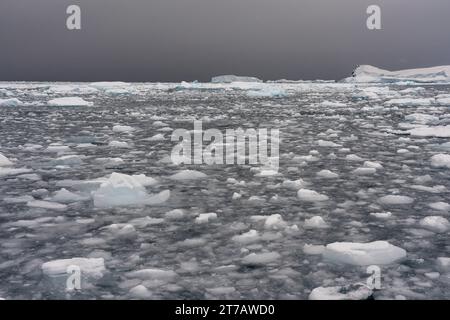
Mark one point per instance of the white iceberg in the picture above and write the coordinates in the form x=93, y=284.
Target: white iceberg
x=233, y=78
x=367, y=73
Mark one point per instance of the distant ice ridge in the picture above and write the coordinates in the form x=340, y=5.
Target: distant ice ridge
x=233, y=78
x=367, y=73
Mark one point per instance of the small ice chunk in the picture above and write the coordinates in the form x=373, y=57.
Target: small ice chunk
x=140, y=292
x=311, y=196
x=364, y=171
x=124, y=190
x=156, y=137
x=381, y=215
x=315, y=222
x=293, y=184
x=352, y=292
x=247, y=237
x=188, y=175
x=118, y=144
x=441, y=161
x=174, y=214
x=353, y=157
x=435, y=223
x=206, y=217
x=362, y=254
x=395, y=200
x=122, y=129
x=324, y=143
x=440, y=206
x=372, y=164
x=261, y=258
x=327, y=174
x=47, y=205
x=275, y=221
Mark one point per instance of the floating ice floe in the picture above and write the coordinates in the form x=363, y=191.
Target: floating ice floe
x=427, y=131
x=65, y=196
x=395, y=200
x=435, y=223
x=58, y=148
x=261, y=258
x=441, y=160
x=311, y=196
x=47, y=205
x=327, y=174
x=381, y=215
x=69, y=102
x=156, y=137
x=233, y=78
x=188, y=175
x=247, y=237
x=205, y=217
x=124, y=190
x=13, y=102
x=364, y=171
x=324, y=143
x=91, y=267
x=122, y=129
x=351, y=292
x=118, y=144
x=4, y=161
x=362, y=254
x=440, y=206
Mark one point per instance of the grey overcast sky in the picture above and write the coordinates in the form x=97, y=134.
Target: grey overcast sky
x=174, y=40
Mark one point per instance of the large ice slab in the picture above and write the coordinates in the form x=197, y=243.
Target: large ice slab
x=367, y=73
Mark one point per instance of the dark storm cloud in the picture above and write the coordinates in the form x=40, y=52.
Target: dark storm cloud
x=173, y=40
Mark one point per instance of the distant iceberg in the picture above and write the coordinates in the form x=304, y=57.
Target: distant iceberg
x=233, y=78
x=366, y=73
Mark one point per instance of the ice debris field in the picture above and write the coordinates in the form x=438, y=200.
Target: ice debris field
x=86, y=179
